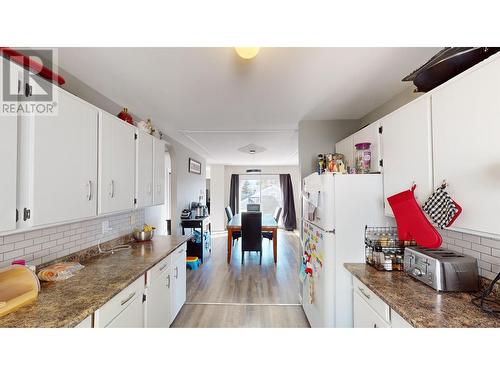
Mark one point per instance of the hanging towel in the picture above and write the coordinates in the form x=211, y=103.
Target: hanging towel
x=441, y=208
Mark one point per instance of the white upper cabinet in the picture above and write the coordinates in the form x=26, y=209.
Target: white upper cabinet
x=466, y=132
x=63, y=151
x=159, y=171
x=116, y=164
x=346, y=147
x=8, y=163
x=144, y=171
x=407, y=150
x=370, y=134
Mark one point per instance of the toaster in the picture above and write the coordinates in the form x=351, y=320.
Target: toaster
x=441, y=269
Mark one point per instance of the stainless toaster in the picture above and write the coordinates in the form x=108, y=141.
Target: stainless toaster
x=441, y=269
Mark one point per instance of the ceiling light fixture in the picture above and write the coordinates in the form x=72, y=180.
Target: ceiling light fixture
x=247, y=53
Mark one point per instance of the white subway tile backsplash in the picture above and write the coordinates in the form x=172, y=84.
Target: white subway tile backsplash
x=471, y=238
x=491, y=243
x=43, y=245
x=485, y=250
x=481, y=248
x=452, y=234
x=22, y=244
x=13, y=238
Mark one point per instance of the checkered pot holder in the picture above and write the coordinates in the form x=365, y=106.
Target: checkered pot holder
x=441, y=208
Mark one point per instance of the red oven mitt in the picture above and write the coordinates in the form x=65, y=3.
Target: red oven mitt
x=412, y=222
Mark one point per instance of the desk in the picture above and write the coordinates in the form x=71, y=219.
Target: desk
x=268, y=225
x=204, y=225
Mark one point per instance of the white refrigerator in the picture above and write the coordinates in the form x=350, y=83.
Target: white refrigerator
x=335, y=210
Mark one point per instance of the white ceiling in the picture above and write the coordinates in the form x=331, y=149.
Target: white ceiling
x=214, y=102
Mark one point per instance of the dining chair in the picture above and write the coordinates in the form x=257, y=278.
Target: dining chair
x=251, y=233
x=276, y=215
x=253, y=207
x=229, y=214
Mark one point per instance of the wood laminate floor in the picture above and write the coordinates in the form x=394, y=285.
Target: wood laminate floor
x=248, y=295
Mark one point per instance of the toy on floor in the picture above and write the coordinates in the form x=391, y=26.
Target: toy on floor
x=193, y=263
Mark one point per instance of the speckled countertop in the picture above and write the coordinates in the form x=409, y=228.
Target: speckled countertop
x=419, y=304
x=66, y=303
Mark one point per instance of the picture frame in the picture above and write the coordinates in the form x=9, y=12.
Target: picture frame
x=194, y=166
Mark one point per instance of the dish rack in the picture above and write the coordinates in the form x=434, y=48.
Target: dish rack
x=384, y=250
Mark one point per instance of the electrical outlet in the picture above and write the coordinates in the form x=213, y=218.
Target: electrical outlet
x=105, y=227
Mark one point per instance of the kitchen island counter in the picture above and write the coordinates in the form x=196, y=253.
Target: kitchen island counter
x=66, y=303
x=419, y=304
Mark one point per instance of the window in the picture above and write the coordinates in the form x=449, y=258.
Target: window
x=260, y=189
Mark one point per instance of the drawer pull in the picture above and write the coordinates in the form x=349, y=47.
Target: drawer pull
x=176, y=272
x=163, y=267
x=364, y=293
x=127, y=299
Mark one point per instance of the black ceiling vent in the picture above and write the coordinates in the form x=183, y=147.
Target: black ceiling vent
x=254, y=170
x=446, y=64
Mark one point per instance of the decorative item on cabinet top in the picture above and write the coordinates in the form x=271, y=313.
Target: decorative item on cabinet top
x=446, y=64
x=125, y=116
x=146, y=126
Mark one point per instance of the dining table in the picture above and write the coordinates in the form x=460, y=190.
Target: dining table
x=269, y=224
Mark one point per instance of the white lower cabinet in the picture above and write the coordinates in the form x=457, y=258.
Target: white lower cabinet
x=158, y=294
x=85, y=323
x=365, y=316
x=125, y=310
x=178, y=290
x=369, y=311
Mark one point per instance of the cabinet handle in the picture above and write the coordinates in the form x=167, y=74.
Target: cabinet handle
x=89, y=195
x=127, y=299
x=163, y=267
x=112, y=194
x=181, y=251
x=375, y=325
x=168, y=281
x=149, y=188
x=364, y=293
x=176, y=272
x=28, y=90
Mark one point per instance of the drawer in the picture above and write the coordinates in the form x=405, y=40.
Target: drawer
x=119, y=302
x=379, y=306
x=157, y=270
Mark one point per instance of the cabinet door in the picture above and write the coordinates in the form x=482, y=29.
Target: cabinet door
x=397, y=321
x=407, y=152
x=8, y=163
x=370, y=134
x=131, y=317
x=178, y=281
x=116, y=164
x=144, y=171
x=158, y=300
x=159, y=171
x=466, y=133
x=365, y=316
x=346, y=147
x=64, y=162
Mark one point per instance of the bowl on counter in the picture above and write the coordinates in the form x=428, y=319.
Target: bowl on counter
x=142, y=236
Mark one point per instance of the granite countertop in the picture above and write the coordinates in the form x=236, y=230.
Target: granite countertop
x=66, y=303
x=419, y=304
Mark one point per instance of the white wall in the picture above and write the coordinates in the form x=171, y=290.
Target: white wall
x=319, y=137
x=293, y=170
x=217, y=197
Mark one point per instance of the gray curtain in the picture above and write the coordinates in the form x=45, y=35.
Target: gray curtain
x=289, y=218
x=234, y=193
